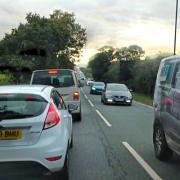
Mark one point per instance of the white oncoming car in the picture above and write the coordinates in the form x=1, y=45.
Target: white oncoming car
x=35, y=126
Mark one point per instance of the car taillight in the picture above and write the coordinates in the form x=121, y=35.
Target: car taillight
x=76, y=96
x=52, y=118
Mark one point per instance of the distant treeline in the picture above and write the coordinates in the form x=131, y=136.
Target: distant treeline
x=126, y=65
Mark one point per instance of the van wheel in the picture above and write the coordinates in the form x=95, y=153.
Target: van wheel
x=161, y=149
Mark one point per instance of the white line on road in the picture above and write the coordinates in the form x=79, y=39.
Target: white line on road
x=146, y=167
x=85, y=96
x=92, y=105
x=103, y=118
x=150, y=107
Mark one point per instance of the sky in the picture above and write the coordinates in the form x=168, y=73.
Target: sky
x=118, y=23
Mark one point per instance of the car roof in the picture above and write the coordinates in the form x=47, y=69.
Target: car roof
x=115, y=84
x=42, y=90
x=98, y=82
x=171, y=58
x=52, y=69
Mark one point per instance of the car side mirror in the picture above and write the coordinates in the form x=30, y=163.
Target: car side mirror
x=130, y=90
x=72, y=108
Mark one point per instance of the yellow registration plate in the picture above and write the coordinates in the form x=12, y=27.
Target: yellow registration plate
x=10, y=134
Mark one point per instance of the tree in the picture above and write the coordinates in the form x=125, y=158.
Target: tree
x=45, y=42
x=99, y=65
x=131, y=53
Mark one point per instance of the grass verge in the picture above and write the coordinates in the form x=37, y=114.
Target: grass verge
x=143, y=98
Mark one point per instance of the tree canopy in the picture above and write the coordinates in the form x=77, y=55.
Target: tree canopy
x=43, y=42
x=105, y=64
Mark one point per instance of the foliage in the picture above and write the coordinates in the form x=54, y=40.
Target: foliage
x=99, y=65
x=106, y=64
x=144, y=74
x=5, y=78
x=44, y=42
x=87, y=72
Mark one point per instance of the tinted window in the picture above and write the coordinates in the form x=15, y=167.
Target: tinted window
x=117, y=87
x=177, y=77
x=166, y=73
x=58, y=101
x=15, y=106
x=98, y=84
x=56, y=78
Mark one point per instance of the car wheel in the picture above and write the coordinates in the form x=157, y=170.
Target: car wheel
x=65, y=170
x=78, y=117
x=161, y=149
x=105, y=102
x=71, y=143
x=101, y=100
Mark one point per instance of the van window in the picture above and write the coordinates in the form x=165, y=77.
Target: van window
x=56, y=78
x=177, y=77
x=166, y=74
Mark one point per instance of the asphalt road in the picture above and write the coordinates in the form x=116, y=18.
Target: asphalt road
x=110, y=143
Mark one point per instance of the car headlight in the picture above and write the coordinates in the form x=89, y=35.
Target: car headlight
x=93, y=88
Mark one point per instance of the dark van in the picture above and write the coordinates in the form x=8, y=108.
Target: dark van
x=166, y=133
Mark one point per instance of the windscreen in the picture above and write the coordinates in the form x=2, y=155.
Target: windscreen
x=56, y=78
x=117, y=87
x=99, y=84
x=17, y=106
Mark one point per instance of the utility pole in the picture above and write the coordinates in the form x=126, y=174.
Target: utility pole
x=175, y=27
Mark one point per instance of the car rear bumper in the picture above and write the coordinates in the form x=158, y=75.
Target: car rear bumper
x=50, y=144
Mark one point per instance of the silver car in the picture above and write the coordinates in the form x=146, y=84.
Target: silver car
x=65, y=81
x=35, y=126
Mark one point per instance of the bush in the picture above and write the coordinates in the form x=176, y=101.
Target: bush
x=6, y=79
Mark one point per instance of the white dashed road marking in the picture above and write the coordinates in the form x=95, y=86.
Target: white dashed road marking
x=103, y=118
x=92, y=105
x=140, y=160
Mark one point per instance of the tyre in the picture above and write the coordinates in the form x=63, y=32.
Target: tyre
x=161, y=149
x=65, y=170
x=72, y=142
x=101, y=100
x=77, y=117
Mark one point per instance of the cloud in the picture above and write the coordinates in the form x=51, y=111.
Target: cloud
x=117, y=23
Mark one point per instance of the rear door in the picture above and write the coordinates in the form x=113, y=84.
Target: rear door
x=22, y=118
x=64, y=80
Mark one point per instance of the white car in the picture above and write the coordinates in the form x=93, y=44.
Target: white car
x=35, y=126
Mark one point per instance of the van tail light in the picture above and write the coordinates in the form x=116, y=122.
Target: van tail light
x=52, y=118
x=168, y=101
x=76, y=96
